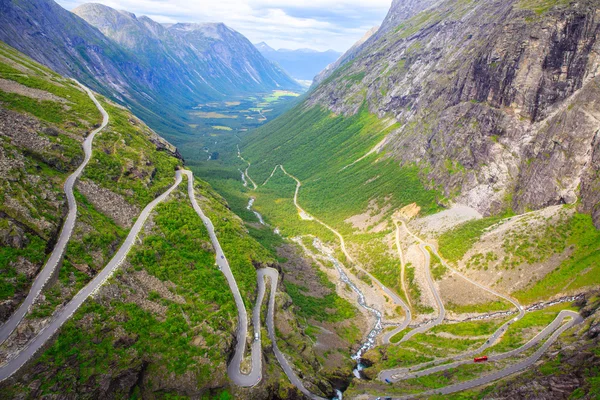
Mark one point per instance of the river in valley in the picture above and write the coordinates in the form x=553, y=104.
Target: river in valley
x=249, y=207
x=370, y=341
x=371, y=338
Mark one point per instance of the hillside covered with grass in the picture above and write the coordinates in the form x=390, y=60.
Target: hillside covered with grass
x=164, y=324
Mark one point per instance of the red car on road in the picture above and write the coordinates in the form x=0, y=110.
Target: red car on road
x=481, y=359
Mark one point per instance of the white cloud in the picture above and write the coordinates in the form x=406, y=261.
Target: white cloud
x=318, y=24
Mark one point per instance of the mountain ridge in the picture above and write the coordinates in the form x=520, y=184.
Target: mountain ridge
x=44, y=119
x=303, y=64
x=514, y=87
x=124, y=68
x=448, y=162
x=208, y=47
x=347, y=56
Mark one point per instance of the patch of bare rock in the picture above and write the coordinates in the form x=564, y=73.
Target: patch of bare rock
x=109, y=203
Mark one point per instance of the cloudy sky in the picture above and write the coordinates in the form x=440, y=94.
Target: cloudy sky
x=317, y=24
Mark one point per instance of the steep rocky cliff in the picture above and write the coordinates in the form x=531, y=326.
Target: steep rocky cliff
x=497, y=100
x=347, y=56
x=400, y=10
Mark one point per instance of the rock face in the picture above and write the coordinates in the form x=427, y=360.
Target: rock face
x=109, y=203
x=154, y=69
x=346, y=57
x=401, y=10
x=497, y=99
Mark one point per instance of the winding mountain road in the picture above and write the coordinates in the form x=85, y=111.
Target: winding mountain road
x=270, y=176
x=438, y=299
x=401, y=374
x=402, y=263
x=393, y=375
x=395, y=298
x=65, y=234
x=511, y=300
x=239, y=154
x=234, y=367
x=428, y=368
x=273, y=274
x=423, y=246
x=234, y=372
x=62, y=316
x=554, y=327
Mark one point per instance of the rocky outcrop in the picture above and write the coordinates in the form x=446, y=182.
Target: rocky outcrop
x=590, y=184
x=594, y=331
x=401, y=10
x=346, y=57
x=497, y=100
x=109, y=203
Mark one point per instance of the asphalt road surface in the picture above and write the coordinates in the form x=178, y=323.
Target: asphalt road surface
x=401, y=374
x=65, y=234
x=487, y=289
x=396, y=374
x=233, y=370
x=438, y=299
x=234, y=367
x=555, y=327
x=395, y=298
x=274, y=275
x=14, y=364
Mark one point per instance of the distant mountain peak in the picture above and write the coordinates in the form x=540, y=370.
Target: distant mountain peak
x=102, y=9
x=199, y=26
x=263, y=47
x=302, y=64
x=154, y=68
x=128, y=14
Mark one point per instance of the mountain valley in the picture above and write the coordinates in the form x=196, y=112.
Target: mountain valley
x=423, y=222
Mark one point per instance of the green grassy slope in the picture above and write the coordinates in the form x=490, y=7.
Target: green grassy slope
x=164, y=323
x=327, y=153
x=40, y=146
x=574, y=234
x=316, y=146
x=46, y=118
x=128, y=328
